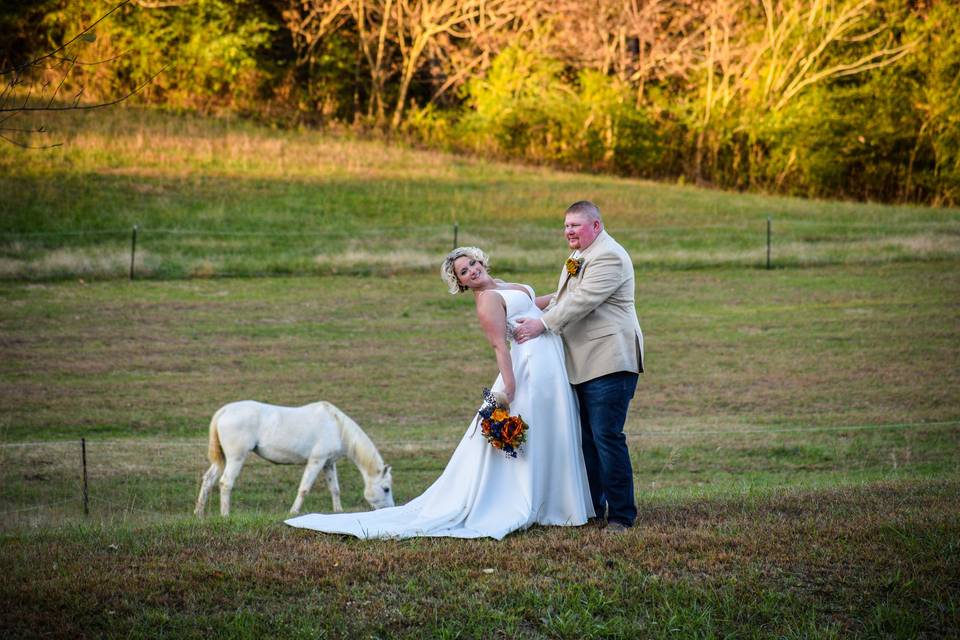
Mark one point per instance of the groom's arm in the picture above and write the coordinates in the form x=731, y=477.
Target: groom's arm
x=601, y=280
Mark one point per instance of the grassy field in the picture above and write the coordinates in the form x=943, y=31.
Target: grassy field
x=795, y=444
x=796, y=439
x=228, y=198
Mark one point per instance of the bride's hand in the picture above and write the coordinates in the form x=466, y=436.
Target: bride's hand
x=510, y=391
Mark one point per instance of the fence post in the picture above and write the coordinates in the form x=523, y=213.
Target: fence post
x=768, y=241
x=133, y=250
x=456, y=227
x=86, y=495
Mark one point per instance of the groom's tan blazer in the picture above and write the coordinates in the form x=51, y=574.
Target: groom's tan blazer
x=594, y=313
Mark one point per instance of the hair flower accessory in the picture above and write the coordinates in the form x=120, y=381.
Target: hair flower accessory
x=574, y=265
x=501, y=430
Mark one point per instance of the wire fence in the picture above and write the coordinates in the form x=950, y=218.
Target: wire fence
x=57, y=483
x=164, y=252
x=43, y=482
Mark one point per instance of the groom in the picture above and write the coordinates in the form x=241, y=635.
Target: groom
x=593, y=311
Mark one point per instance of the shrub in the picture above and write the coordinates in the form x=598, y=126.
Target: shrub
x=527, y=106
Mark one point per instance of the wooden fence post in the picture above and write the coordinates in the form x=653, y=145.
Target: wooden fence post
x=769, y=223
x=86, y=495
x=133, y=250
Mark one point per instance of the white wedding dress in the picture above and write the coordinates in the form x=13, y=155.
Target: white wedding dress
x=483, y=492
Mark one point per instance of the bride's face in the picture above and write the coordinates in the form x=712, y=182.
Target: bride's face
x=470, y=272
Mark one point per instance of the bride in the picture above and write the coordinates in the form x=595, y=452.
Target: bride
x=482, y=491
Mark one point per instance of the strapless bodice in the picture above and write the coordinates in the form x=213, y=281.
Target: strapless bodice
x=519, y=305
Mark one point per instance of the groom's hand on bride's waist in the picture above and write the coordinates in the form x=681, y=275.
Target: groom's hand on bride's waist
x=528, y=329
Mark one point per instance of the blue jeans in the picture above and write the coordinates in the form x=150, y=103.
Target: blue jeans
x=603, y=411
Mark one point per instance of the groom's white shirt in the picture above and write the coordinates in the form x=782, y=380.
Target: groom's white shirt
x=594, y=313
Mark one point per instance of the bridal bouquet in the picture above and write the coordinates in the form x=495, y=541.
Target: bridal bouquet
x=501, y=430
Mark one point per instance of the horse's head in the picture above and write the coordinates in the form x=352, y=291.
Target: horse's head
x=379, y=489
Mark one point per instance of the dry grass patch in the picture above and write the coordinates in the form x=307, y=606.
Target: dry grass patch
x=87, y=262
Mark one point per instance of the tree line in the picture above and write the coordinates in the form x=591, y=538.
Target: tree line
x=820, y=98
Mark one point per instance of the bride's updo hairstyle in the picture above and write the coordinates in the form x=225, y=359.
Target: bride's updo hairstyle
x=446, y=269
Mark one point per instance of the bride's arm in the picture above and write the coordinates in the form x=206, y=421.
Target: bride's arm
x=543, y=302
x=493, y=321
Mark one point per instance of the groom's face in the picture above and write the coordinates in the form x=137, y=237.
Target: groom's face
x=580, y=230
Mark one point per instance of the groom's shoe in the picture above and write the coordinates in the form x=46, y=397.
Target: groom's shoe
x=597, y=522
x=615, y=528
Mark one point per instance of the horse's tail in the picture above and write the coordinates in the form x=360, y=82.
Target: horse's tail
x=214, y=450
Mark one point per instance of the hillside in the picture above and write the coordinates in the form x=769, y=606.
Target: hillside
x=226, y=197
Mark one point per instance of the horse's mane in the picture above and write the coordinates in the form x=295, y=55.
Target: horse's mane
x=357, y=444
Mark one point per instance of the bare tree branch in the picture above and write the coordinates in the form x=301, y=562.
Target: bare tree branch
x=27, y=146
x=94, y=63
x=85, y=107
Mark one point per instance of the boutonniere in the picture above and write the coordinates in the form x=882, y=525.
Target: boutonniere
x=574, y=265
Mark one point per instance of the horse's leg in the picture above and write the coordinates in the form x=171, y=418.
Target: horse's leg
x=330, y=471
x=206, y=485
x=230, y=473
x=309, y=476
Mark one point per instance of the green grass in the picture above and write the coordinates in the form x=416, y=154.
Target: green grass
x=795, y=438
x=229, y=198
x=731, y=349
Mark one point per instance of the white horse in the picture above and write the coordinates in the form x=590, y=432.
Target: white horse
x=317, y=434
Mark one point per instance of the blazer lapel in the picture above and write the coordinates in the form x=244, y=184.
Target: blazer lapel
x=564, y=276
